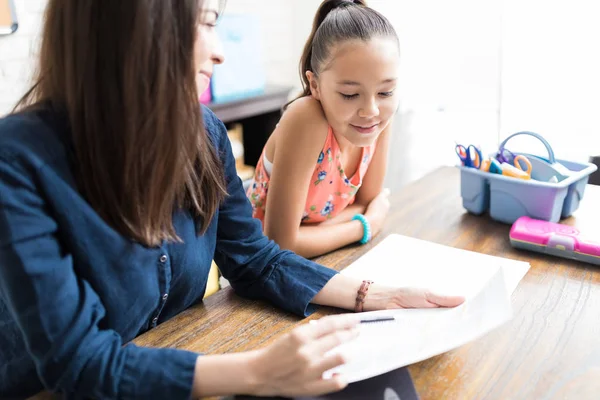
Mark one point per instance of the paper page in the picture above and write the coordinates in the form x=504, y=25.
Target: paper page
x=407, y=262
x=420, y=334
x=486, y=282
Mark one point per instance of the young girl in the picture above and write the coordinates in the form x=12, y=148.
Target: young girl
x=318, y=184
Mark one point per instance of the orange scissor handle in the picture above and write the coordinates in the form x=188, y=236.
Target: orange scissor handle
x=485, y=165
x=520, y=158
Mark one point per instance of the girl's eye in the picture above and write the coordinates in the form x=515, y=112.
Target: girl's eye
x=387, y=94
x=349, y=96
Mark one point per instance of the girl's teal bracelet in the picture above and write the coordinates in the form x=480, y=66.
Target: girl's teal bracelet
x=366, y=228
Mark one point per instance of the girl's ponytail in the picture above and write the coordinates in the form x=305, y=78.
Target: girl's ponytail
x=307, y=54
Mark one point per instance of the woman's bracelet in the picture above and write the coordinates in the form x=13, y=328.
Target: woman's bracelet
x=361, y=295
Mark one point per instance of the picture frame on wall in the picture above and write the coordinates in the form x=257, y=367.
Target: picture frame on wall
x=8, y=17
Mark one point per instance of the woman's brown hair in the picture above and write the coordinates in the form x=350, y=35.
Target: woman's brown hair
x=337, y=21
x=123, y=71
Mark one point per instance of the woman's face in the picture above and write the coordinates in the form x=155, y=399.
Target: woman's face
x=207, y=50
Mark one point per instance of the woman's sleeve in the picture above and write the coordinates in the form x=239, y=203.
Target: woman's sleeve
x=254, y=265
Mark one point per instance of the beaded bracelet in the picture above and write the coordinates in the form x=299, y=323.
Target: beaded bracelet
x=360, y=295
x=366, y=228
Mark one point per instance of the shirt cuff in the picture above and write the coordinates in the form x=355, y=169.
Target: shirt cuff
x=294, y=282
x=153, y=373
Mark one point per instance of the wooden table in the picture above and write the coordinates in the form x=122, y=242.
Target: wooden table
x=550, y=349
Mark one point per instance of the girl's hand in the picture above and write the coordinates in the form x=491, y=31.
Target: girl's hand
x=295, y=363
x=377, y=211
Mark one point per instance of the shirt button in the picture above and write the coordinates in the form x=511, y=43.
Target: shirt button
x=163, y=258
x=165, y=296
x=155, y=320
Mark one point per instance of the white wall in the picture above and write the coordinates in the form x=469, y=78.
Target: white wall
x=277, y=29
x=452, y=86
x=17, y=53
x=449, y=79
x=551, y=75
x=282, y=46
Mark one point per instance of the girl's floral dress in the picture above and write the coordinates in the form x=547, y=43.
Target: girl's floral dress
x=330, y=190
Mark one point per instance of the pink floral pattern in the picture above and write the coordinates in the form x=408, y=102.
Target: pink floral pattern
x=330, y=190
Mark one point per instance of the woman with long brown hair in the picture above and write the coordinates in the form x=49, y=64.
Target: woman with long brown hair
x=116, y=191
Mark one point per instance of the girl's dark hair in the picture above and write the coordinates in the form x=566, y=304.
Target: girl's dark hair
x=123, y=73
x=337, y=21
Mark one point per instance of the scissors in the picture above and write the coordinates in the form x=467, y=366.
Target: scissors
x=470, y=156
x=524, y=160
x=517, y=170
x=504, y=155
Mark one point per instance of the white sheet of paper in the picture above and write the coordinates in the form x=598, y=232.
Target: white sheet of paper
x=418, y=334
x=443, y=269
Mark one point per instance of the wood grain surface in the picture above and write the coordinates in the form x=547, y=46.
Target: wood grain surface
x=549, y=350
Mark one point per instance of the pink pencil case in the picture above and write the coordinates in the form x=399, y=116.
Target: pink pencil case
x=554, y=239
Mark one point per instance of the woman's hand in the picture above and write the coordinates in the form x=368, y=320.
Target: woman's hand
x=377, y=211
x=295, y=363
x=386, y=298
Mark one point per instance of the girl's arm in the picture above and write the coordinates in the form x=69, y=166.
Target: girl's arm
x=340, y=231
x=372, y=184
x=345, y=215
x=299, y=140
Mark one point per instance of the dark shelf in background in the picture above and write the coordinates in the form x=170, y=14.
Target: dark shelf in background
x=258, y=114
